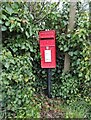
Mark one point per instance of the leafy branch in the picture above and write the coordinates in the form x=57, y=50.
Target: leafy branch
x=37, y=21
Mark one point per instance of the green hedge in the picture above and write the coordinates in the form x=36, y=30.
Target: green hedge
x=16, y=87
x=22, y=75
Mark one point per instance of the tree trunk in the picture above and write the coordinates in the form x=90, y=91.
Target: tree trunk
x=90, y=26
x=70, y=28
x=89, y=20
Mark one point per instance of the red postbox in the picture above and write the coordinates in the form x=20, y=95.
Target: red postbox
x=47, y=49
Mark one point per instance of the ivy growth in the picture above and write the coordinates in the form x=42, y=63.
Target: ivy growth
x=22, y=75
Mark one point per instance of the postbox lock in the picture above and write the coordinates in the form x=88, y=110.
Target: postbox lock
x=47, y=47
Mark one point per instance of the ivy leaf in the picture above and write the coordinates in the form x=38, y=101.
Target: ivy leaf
x=26, y=79
x=7, y=23
x=10, y=10
x=4, y=17
x=3, y=28
x=86, y=58
x=31, y=16
x=71, y=53
x=66, y=49
x=1, y=22
x=80, y=74
x=30, y=31
x=12, y=61
x=27, y=34
x=75, y=53
x=23, y=47
x=7, y=65
x=12, y=27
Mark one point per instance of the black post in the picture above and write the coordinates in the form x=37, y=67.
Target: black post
x=49, y=82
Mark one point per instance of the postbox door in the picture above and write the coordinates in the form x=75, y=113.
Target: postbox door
x=47, y=49
x=48, y=57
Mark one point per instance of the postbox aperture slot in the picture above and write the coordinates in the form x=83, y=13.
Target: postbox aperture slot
x=46, y=38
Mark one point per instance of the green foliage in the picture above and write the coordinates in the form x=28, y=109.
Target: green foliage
x=77, y=108
x=78, y=46
x=69, y=86
x=16, y=87
x=17, y=78
x=22, y=75
x=17, y=68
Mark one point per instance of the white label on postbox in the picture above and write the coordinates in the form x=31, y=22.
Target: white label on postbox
x=47, y=55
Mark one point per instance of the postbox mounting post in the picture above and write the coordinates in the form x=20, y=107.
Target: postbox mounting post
x=48, y=54
x=49, y=82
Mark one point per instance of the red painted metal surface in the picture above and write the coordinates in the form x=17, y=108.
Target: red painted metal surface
x=47, y=49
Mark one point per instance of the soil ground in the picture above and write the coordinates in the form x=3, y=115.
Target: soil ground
x=50, y=107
